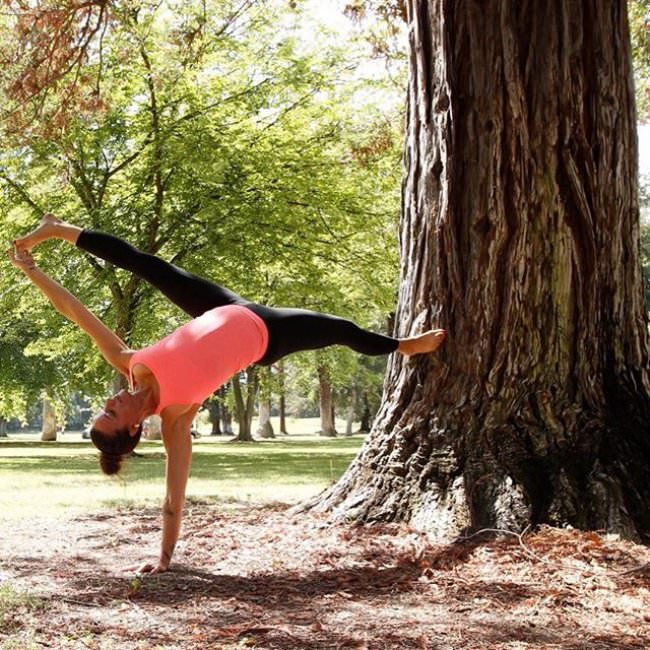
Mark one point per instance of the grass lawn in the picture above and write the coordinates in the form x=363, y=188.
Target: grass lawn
x=49, y=479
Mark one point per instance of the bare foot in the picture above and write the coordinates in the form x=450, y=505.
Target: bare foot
x=45, y=230
x=428, y=342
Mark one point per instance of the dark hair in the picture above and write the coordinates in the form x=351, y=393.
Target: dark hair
x=114, y=447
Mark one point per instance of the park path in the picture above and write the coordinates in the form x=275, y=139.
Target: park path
x=260, y=577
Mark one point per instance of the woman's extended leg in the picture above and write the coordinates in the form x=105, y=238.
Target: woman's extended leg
x=193, y=294
x=292, y=330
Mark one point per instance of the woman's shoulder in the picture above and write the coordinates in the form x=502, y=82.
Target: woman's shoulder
x=139, y=372
x=123, y=361
x=179, y=417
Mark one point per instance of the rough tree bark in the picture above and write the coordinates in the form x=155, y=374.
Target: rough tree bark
x=520, y=234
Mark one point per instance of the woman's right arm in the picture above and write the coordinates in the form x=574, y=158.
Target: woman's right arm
x=177, y=438
x=114, y=350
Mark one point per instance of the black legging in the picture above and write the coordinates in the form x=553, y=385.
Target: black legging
x=290, y=330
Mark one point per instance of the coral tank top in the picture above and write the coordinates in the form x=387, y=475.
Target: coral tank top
x=193, y=361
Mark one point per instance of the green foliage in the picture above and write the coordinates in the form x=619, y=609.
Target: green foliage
x=639, y=17
x=238, y=150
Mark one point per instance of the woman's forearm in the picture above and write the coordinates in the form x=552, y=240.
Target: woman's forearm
x=172, y=519
x=62, y=300
x=112, y=347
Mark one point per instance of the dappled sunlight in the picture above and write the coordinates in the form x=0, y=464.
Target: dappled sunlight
x=256, y=576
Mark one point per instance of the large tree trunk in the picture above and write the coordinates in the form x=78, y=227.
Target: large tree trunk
x=48, y=431
x=520, y=234
x=327, y=427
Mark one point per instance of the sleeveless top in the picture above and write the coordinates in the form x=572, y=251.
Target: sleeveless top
x=193, y=361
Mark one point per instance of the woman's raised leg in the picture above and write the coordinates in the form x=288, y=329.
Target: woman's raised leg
x=193, y=294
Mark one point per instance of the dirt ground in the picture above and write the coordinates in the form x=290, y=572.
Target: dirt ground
x=259, y=577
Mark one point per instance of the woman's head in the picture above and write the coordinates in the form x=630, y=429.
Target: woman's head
x=116, y=430
x=114, y=446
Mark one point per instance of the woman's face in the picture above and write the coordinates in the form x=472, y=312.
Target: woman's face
x=120, y=412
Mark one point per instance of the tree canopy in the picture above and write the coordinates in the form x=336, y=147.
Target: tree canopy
x=209, y=136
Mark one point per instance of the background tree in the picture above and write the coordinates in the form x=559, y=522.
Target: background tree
x=326, y=400
x=49, y=430
x=210, y=121
x=244, y=392
x=25, y=372
x=639, y=15
x=264, y=426
x=520, y=233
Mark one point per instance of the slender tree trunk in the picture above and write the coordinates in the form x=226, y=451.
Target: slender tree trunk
x=245, y=405
x=226, y=415
x=352, y=406
x=265, y=428
x=282, y=408
x=366, y=416
x=3, y=427
x=214, y=414
x=520, y=234
x=240, y=410
x=282, y=400
x=48, y=432
x=327, y=427
x=226, y=421
x=349, y=420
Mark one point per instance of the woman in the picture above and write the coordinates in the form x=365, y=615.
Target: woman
x=172, y=377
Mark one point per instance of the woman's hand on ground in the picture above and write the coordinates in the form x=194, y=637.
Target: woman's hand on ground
x=148, y=567
x=21, y=259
